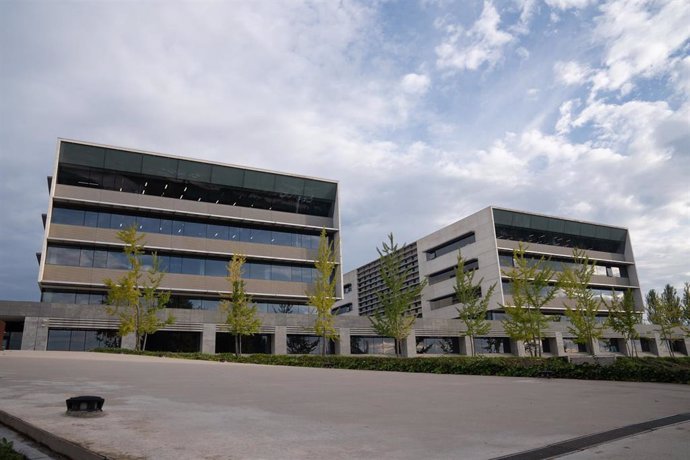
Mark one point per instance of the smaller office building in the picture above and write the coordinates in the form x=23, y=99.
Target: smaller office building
x=487, y=240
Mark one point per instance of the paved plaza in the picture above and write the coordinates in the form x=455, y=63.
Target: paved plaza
x=160, y=408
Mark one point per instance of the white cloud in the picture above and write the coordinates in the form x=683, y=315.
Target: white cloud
x=569, y=4
x=306, y=88
x=640, y=41
x=570, y=72
x=482, y=44
x=523, y=52
x=414, y=83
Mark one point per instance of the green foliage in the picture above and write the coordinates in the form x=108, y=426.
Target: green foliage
x=667, y=370
x=623, y=317
x=237, y=306
x=666, y=311
x=7, y=451
x=136, y=298
x=583, y=316
x=323, y=293
x=474, y=306
x=685, y=306
x=394, y=318
x=532, y=290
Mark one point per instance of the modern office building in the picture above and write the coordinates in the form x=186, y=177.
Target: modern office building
x=195, y=215
x=486, y=240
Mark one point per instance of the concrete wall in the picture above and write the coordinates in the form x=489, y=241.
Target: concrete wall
x=483, y=249
x=40, y=317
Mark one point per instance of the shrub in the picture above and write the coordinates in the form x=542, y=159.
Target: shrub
x=667, y=370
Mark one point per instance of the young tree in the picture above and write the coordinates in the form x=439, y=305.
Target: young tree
x=532, y=288
x=237, y=306
x=136, y=298
x=583, y=316
x=685, y=307
x=474, y=306
x=665, y=311
x=623, y=317
x=394, y=319
x=323, y=292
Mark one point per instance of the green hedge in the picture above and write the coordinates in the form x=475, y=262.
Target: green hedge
x=667, y=370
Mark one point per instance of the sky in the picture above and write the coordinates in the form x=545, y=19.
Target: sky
x=424, y=111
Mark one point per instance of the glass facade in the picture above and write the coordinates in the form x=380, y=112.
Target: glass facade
x=449, y=273
x=609, y=345
x=176, y=301
x=252, y=344
x=76, y=256
x=438, y=345
x=450, y=246
x=571, y=346
x=445, y=301
x=528, y=228
x=298, y=344
x=180, y=227
x=132, y=172
x=605, y=293
x=12, y=338
x=490, y=345
x=601, y=269
x=342, y=309
x=81, y=339
x=365, y=345
x=175, y=341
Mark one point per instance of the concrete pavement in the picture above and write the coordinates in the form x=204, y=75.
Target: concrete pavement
x=167, y=408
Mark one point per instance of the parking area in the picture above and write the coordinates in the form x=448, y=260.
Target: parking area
x=167, y=408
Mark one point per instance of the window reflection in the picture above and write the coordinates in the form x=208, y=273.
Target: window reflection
x=438, y=345
x=489, y=345
x=365, y=345
x=188, y=265
x=180, y=227
x=81, y=339
x=111, y=169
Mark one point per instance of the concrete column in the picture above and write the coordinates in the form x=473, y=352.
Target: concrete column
x=559, y=350
x=466, y=345
x=129, y=342
x=518, y=348
x=208, y=338
x=687, y=346
x=659, y=347
x=280, y=341
x=342, y=345
x=35, y=335
x=409, y=345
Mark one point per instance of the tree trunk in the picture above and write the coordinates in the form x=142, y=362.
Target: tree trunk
x=323, y=345
x=238, y=346
x=143, y=347
x=670, y=348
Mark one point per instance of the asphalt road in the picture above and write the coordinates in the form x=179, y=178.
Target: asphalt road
x=165, y=408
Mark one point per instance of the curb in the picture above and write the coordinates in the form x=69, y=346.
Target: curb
x=53, y=442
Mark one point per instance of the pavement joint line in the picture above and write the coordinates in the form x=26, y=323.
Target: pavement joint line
x=53, y=442
x=583, y=442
